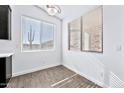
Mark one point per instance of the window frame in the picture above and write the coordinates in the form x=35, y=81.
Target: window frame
x=39, y=50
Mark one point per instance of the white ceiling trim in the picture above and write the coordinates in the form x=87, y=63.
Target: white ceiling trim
x=69, y=11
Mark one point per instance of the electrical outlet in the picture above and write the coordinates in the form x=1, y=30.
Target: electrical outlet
x=102, y=75
x=119, y=48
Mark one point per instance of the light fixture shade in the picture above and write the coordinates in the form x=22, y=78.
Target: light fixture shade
x=53, y=10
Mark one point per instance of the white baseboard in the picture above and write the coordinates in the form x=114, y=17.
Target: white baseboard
x=34, y=69
x=87, y=77
x=53, y=65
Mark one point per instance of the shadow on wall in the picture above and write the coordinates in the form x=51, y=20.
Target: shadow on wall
x=107, y=77
x=102, y=75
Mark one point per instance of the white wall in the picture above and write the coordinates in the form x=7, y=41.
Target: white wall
x=90, y=65
x=95, y=66
x=31, y=61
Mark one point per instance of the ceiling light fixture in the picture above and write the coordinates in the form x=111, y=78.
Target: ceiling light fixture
x=53, y=9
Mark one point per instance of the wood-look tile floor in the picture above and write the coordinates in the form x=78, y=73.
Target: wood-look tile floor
x=55, y=77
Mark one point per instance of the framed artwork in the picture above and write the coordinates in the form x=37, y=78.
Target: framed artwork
x=92, y=31
x=86, y=32
x=75, y=35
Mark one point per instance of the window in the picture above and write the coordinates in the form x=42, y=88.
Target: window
x=47, y=35
x=37, y=35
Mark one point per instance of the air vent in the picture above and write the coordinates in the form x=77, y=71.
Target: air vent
x=115, y=82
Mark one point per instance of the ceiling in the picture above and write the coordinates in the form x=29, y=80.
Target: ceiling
x=68, y=11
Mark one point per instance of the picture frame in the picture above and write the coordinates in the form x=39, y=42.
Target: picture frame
x=92, y=31
x=74, y=35
x=88, y=35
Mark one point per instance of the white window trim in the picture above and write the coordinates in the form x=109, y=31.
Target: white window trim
x=39, y=50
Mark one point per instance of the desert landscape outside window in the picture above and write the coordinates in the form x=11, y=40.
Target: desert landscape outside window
x=37, y=34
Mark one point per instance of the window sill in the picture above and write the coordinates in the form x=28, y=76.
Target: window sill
x=27, y=51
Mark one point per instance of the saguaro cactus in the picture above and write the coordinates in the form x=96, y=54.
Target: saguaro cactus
x=31, y=35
